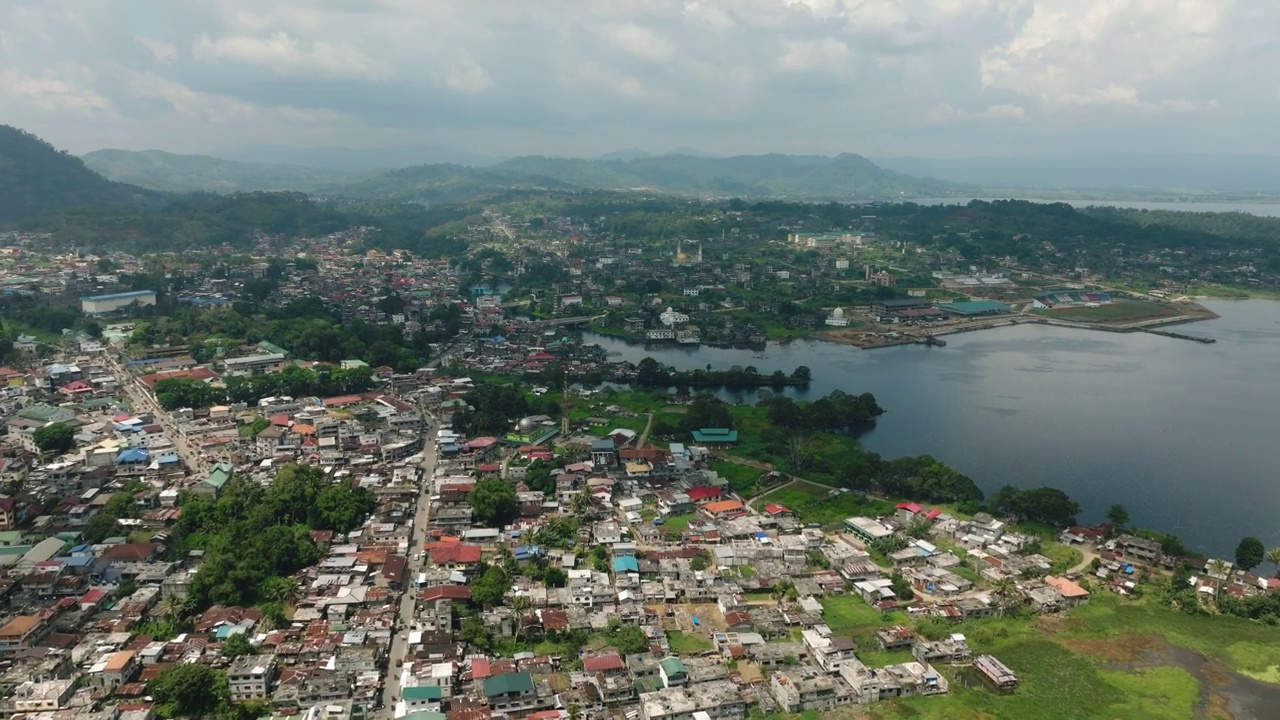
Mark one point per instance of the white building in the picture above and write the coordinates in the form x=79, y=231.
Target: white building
x=670, y=317
x=837, y=318
x=103, y=304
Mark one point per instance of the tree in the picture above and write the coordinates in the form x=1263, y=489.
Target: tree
x=901, y=587
x=629, y=640
x=476, y=633
x=173, y=607
x=494, y=502
x=237, y=645
x=1273, y=557
x=1005, y=589
x=489, y=590
x=189, y=690
x=55, y=437
x=1118, y=516
x=1250, y=553
x=1218, y=570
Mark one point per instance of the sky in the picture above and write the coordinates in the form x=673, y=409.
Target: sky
x=935, y=78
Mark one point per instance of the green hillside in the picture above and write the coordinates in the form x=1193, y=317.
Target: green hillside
x=160, y=170
x=35, y=178
x=844, y=177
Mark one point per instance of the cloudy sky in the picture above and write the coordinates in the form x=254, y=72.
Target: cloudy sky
x=583, y=77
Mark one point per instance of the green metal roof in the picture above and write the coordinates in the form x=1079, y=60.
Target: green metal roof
x=974, y=307
x=716, y=435
x=507, y=683
x=422, y=692
x=219, y=475
x=672, y=666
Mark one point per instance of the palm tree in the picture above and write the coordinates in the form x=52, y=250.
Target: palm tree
x=518, y=605
x=284, y=591
x=1218, y=570
x=1005, y=588
x=173, y=607
x=1273, y=557
x=580, y=502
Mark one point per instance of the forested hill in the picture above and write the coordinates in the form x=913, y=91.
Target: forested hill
x=844, y=177
x=160, y=170
x=35, y=178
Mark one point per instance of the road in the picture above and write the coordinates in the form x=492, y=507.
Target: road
x=143, y=400
x=409, y=598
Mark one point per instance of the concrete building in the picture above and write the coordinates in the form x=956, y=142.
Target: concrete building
x=104, y=304
x=250, y=677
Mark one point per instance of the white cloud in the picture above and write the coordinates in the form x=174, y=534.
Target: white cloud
x=163, y=52
x=285, y=54
x=52, y=94
x=1069, y=53
x=822, y=54
x=640, y=42
x=563, y=76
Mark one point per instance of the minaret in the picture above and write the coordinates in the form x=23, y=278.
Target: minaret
x=679, y=249
x=699, y=251
x=564, y=409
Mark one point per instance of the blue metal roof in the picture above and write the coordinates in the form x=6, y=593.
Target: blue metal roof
x=132, y=455
x=121, y=296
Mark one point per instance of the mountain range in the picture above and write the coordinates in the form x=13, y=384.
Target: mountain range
x=811, y=177
x=35, y=177
x=161, y=170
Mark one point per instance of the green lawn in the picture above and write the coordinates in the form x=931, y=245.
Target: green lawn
x=682, y=643
x=679, y=523
x=1064, y=557
x=1118, y=311
x=742, y=479
x=849, y=615
x=817, y=503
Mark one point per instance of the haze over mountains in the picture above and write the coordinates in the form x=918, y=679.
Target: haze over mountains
x=1172, y=173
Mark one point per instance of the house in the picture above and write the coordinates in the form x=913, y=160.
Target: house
x=723, y=508
x=113, y=670
x=511, y=693
x=604, y=453
x=715, y=700
x=867, y=529
x=716, y=437
x=250, y=677
x=951, y=649
x=1137, y=549
x=995, y=673
x=219, y=475
x=422, y=698
x=673, y=672
x=1072, y=593
x=801, y=691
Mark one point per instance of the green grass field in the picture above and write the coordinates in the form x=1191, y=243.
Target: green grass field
x=1075, y=663
x=1115, y=312
x=683, y=643
x=816, y=503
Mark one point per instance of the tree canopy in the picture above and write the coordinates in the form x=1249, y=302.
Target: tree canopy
x=493, y=502
x=1250, y=553
x=55, y=437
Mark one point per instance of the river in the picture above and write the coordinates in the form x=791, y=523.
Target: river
x=1185, y=435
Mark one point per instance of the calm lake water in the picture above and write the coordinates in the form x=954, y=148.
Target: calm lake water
x=1263, y=209
x=1184, y=435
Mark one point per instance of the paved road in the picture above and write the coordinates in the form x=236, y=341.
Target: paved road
x=143, y=401
x=408, y=599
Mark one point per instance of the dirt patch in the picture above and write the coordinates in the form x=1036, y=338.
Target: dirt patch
x=1130, y=649
x=1216, y=707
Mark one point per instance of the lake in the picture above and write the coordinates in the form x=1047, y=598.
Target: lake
x=1256, y=208
x=1185, y=435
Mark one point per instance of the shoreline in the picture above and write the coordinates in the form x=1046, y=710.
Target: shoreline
x=918, y=336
